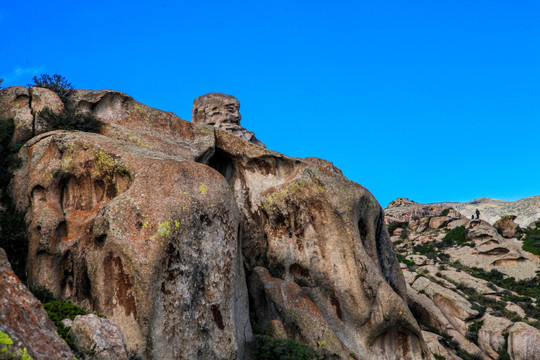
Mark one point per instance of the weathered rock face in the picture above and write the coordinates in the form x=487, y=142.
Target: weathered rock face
x=306, y=223
x=491, y=335
x=507, y=226
x=146, y=239
x=97, y=338
x=523, y=342
x=223, y=112
x=133, y=224
x=24, y=322
x=23, y=106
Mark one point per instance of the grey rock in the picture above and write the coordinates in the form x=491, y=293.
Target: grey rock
x=98, y=338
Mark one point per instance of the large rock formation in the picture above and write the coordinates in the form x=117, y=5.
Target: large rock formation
x=152, y=222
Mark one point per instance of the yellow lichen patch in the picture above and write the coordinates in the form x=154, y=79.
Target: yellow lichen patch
x=145, y=113
x=68, y=158
x=107, y=165
x=6, y=351
x=203, y=188
x=271, y=200
x=164, y=229
x=135, y=140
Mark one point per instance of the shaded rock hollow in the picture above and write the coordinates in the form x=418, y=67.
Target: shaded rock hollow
x=153, y=222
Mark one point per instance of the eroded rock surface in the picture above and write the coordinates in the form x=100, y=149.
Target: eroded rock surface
x=152, y=222
x=523, y=342
x=507, y=227
x=306, y=223
x=139, y=236
x=98, y=338
x=223, y=112
x=24, y=325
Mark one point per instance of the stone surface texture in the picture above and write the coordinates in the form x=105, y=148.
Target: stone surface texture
x=523, y=342
x=24, y=321
x=223, y=112
x=153, y=221
x=98, y=338
x=507, y=227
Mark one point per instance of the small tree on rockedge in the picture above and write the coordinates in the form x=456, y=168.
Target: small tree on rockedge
x=56, y=83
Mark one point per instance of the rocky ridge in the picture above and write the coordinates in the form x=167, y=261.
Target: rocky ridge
x=178, y=231
x=470, y=285
x=526, y=210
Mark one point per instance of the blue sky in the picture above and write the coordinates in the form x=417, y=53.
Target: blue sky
x=431, y=100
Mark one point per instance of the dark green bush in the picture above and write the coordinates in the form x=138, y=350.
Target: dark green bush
x=410, y=264
x=268, y=348
x=472, y=331
x=59, y=310
x=531, y=240
x=456, y=236
x=70, y=119
x=502, y=352
x=56, y=83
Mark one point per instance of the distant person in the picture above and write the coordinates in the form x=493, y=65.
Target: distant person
x=472, y=216
x=477, y=214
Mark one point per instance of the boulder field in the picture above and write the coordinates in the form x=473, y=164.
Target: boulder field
x=188, y=235
x=472, y=287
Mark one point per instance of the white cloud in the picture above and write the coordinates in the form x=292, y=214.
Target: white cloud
x=20, y=75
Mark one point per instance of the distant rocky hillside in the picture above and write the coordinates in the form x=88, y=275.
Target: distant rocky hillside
x=472, y=287
x=527, y=210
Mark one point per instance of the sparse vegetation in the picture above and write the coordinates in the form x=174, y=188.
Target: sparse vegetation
x=266, y=347
x=70, y=119
x=445, y=212
x=502, y=351
x=472, y=331
x=456, y=236
x=56, y=83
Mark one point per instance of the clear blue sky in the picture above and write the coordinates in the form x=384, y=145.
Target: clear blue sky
x=432, y=100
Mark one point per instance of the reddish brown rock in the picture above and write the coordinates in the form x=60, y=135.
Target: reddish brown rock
x=223, y=112
x=133, y=224
x=24, y=322
x=144, y=238
x=507, y=227
x=42, y=99
x=15, y=105
x=308, y=224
